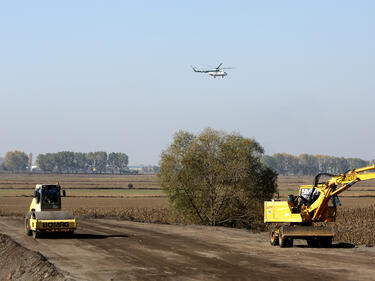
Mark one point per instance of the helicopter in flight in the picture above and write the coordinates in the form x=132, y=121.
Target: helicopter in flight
x=216, y=72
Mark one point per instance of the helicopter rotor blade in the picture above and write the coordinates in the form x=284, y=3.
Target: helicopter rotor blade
x=219, y=66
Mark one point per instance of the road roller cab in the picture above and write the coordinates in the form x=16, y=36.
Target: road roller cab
x=47, y=197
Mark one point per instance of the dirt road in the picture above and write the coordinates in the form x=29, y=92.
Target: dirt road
x=106, y=249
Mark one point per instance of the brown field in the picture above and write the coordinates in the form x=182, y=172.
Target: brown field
x=20, y=205
x=96, y=192
x=109, y=196
x=78, y=181
x=104, y=192
x=356, y=225
x=108, y=246
x=92, y=195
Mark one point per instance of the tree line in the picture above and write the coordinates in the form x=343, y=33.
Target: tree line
x=117, y=162
x=68, y=162
x=310, y=165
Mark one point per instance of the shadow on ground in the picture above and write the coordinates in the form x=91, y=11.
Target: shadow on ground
x=343, y=245
x=336, y=246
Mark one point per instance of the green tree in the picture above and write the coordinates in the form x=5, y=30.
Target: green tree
x=307, y=164
x=46, y=162
x=80, y=162
x=15, y=161
x=97, y=161
x=118, y=162
x=270, y=162
x=65, y=161
x=354, y=163
x=91, y=161
x=2, y=163
x=285, y=164
x=216, y=178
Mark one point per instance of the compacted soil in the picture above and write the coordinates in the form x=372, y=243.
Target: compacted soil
x=110, y=249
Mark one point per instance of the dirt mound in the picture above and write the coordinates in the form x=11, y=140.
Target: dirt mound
x=19, y=263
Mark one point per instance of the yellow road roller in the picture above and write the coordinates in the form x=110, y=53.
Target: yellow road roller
x=45, y=214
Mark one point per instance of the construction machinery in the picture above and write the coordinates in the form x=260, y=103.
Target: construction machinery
x=311, y=214
x=45, y=214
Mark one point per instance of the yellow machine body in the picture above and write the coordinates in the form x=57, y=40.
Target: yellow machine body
x=309, y=214
x=279, y=211
x=45, y=214
x=53, y=225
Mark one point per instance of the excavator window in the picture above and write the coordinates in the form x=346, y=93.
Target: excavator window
x=305, y=195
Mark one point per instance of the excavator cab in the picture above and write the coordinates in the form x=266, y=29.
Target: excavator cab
x=306, y=196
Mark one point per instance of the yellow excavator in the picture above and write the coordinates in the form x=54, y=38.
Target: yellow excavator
x=45, y=214
x=310, y=214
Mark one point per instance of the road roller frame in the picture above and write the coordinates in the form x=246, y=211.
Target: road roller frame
x=45, y=214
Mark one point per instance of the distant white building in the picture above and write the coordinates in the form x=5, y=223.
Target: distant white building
x=35, y=168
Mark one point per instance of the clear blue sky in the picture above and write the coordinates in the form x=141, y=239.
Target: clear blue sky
x=116, y=76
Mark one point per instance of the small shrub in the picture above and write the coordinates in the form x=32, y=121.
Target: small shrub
x=130, y=186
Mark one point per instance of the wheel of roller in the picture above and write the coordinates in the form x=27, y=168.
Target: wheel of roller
x=27, y=227
x=274, y=239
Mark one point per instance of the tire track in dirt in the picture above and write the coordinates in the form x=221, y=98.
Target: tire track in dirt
x=109, y=249
x=181, y=255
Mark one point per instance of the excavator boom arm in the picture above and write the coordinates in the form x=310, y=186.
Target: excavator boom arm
x=335, y=186
x=348, y=184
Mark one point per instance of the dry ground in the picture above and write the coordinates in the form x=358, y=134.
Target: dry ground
x=107, y=249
